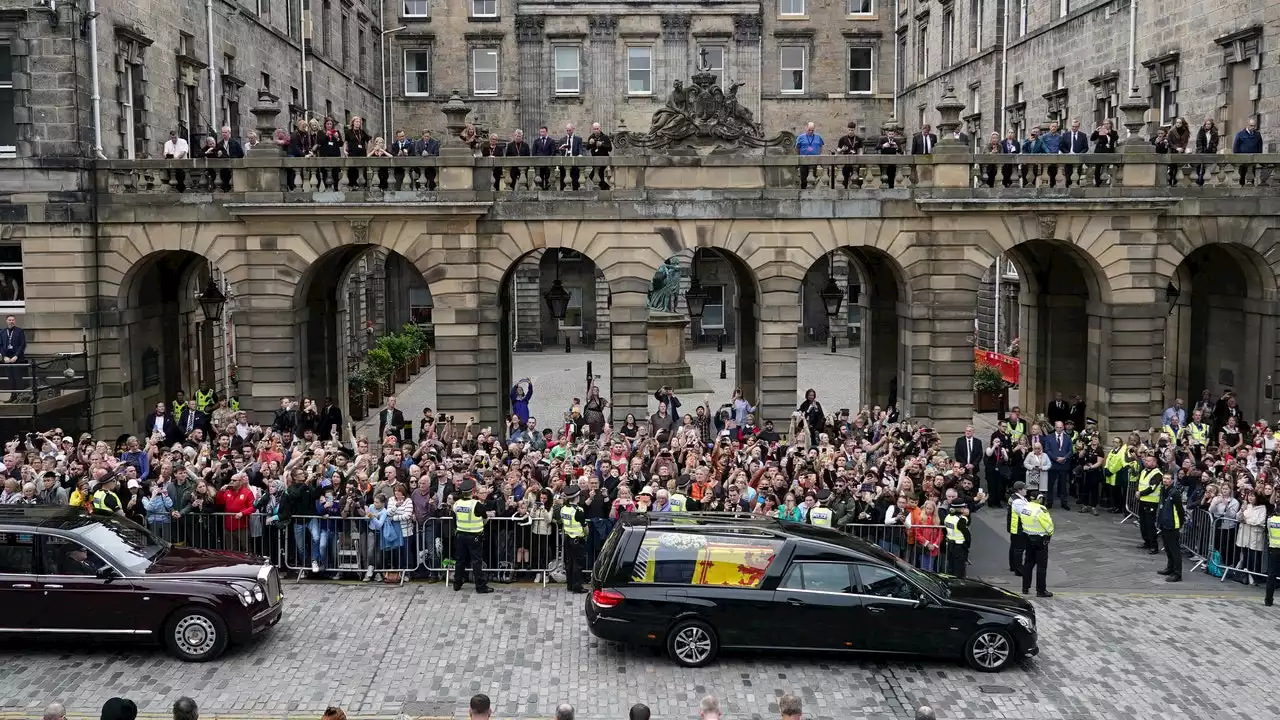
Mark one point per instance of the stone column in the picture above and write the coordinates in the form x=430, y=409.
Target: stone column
x=602, y=67
x=267, y=354
x=265, y=112
x=459, y=334
x=535, y=76
x=675, y=53
x=746, y=38
x=528, y=303
x=629, y=348
x=778, y=316
x=1136, y=171
x=941, y=342
x=1132, y=362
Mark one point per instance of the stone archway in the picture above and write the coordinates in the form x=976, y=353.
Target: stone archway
x=882, y=303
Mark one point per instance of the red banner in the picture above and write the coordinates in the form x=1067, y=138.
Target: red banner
x=1007, y=365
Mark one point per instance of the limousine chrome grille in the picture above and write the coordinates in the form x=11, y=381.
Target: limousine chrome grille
x=274, y=594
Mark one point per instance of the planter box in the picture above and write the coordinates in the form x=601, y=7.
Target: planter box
x=356, y=407
x=424, y=358
x=375, y=395
x=990, y=402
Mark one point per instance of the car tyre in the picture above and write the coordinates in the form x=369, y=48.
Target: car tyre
x=692, y=643
x=990, y=649
x=195, y=634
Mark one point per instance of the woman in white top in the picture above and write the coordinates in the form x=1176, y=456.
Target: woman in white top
x=1037, y=465
x=1250, y=535
x=1225, y=511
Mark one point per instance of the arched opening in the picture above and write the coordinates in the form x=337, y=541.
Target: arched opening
x=349, y=300
x=168, y=348
x=1056, y=287
x=882, y=313
x=561, y=347
x=1219, y=331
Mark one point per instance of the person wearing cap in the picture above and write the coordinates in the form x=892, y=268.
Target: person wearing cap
x=105, y=500
x=1148, y=502
x=957, y=527
x=1273, y=554
x=820, y=514
x=1017, y=538
x=1037, y=524
x=644, y=499
x=1170, y=516
x=573, y=524
x=468, y=538
x=679, y=500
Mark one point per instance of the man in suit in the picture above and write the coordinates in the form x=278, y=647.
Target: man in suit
x=13, y=350
x=160, y=421
x=228, y=148
x=330, y=420
x=599, y=145
x=286, y=418
x=890, y=144
x=1074, y=142
x=1058, y=411
x=427, y=147
x=570, y=146
x=544, y=146
x=923, y=142
x=850, y=144
x=402, y=146
x=1077, y=412
x=1058, y=447
x=191, y=419
x=517, y=148
x=961, y=137
x=1009, y=146
x=969, y=452
x=390, y=421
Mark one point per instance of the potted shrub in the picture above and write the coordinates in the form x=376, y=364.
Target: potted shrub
x=417, y=345
x=382, y=369
x=990, y=391
x=357, y=394
x=397, y=347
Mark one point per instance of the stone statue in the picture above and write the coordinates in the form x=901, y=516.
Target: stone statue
x=699, y=115
x=664, y=292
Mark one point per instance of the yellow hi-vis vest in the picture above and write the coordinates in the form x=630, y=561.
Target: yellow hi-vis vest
x=1149, y=486
x=569, y=521
x=1199, y=433
x=1017, y=430
x=678, y=503
x=100, y=505
x=820, y=516
x=952, y=523
x=234, y=404
x=465, y=519
x=177, y=408
x=204, y=400
x=1037, y=521
x=1115, y=463
x=1174, y=435
x=1273, y=532
x=1015, y=521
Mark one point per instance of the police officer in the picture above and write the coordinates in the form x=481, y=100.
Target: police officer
x=1169, y=519
x=1273, y=554
x=205, y=399
x=105, y=500
x=957, y=526
x=1149, y=481
x=820, y=514
x=1038, y=527
x=1017, y=538
x=468, y=538
x=679, y=500
x=573, y=523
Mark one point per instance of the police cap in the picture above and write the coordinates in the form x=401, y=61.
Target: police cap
x=467, y=486
x=824, y=495
x=572, y=492
x=959, y=505
x=684, y=482
x=1019, y=486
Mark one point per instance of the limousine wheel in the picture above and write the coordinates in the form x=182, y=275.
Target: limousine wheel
x=692, y=643
x=990, y=650
x=195, y=635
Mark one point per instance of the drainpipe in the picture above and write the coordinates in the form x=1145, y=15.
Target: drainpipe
x=93, y=80
x=1004, y=73
x=1133, y=46
x=897, y=59
x=213, y=73
x=302, y=45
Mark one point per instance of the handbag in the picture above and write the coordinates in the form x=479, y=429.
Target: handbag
x=1215, y=564
x=392, y=536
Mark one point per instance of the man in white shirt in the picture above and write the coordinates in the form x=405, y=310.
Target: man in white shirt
x=176, y=148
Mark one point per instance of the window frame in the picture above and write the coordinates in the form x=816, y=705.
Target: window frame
x=718, y=71
x=922, y=49
x=557, y=72
x=483, y=4
x=975, y=24
x=1022, y=17
x=783, y=9
x=416, y=308
x=404, y=66
x=788, y=88
x=475, y=71
x=126, y=111
x=648, y=50
x=409, y=7
x=948, y=38
x=575, y=295
x=870, y=70
x=862, y=588
x=722, y=305
x=14, y=539
x=799, y=565
x=1166, y=99
x=851, y=12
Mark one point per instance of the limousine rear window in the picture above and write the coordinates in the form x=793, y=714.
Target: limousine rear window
x=672, y=557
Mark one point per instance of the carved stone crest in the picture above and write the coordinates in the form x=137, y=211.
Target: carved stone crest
x=360, y=231
x=702, y=115
x=1048, y=226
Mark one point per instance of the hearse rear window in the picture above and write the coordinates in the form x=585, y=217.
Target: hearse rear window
x=692, y=559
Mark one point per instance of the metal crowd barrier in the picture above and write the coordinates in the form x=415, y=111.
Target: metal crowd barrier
x=1196, y=538
x=904, y=542
x=511, y=551
x=345, y=546
x=1130, y=501
x=219, y=531
x=1203, y=536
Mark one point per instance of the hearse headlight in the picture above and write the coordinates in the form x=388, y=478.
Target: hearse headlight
x=259, y=594
x=245, y=592
x=1027, y=623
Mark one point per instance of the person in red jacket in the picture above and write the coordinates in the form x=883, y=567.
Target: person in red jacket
x=236, y=499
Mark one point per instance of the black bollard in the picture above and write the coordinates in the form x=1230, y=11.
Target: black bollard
x=724, y=372
x=833, y=342
x=590, y=376
x=720, y=343
x=566, y=344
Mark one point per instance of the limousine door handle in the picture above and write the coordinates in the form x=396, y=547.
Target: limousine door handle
x=53, y=587
x=876, y=610
x=796, y=602
x=21, y=586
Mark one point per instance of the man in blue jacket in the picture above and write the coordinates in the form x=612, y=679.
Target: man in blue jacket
x=1248, y=142
x=1051, y=142
x=809, y=143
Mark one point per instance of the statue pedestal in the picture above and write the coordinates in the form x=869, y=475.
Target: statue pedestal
x=667, y=364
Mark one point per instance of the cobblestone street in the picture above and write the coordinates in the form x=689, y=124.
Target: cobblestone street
x=424, y=650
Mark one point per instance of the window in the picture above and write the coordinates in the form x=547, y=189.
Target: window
x=1059, y=78
x=8, y=124
x=290, y=25
x=902, y=63
x=484, y=8
x=975, y=99
x=861, y=7
x=573, y=312
x=948, y=39
x=791, y=8
x=975, y=24
x=1103, y=110
x=127, y=110
x=713, y=311
x=883, y=582
x=1017, y=93
x=420, y=306
x=1022, y=17
x=326, y=26
x=819, y=577
x=345, y=37
x=1064, y=7
x=861, y=69
x=791, y=63
x=639, y=70
x=484, y=71
x=68, y=557
x=712, y=59
x=417, y=8
x=1165, y=98
x=17, y=554
x=417, y=72
x=266, y=81
x=687, y=559
x=922, y=50
x=363, y=53
x=567, y=68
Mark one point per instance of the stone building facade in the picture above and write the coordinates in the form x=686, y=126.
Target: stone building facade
x=1069, y=59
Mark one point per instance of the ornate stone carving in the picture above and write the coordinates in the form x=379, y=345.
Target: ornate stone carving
x=359, y=231
x=702, y=115
x=1048, y=226
x=675, y=25
x=746, y=28
x=529, y=28
x=603, y=26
